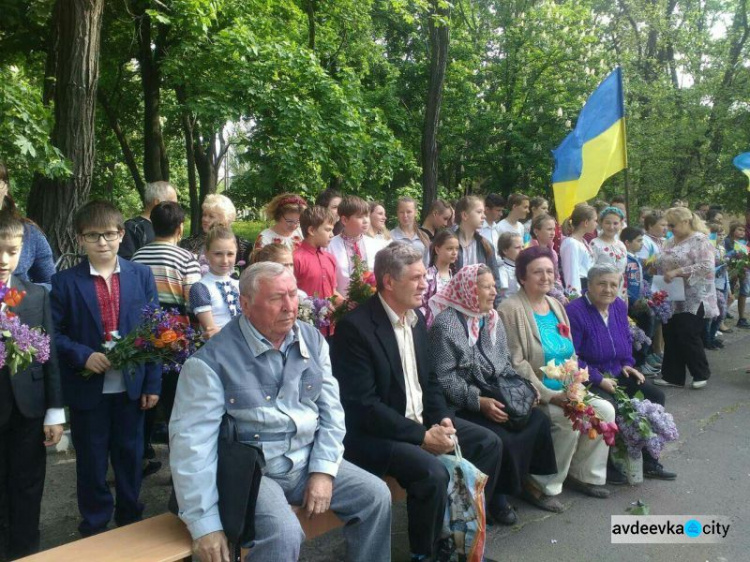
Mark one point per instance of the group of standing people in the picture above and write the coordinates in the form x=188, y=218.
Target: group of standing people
x=464, y=303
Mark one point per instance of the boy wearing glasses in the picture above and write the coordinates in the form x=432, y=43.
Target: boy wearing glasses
x=93, y=304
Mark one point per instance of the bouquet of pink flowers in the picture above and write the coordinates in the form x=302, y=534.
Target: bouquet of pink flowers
x=20, y=345
x=578, y=408
x=361, y=287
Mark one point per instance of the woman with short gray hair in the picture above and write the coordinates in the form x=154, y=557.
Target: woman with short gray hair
x=601, y=337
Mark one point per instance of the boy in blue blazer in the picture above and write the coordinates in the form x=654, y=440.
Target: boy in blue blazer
x=92, y=304
x=31, y=410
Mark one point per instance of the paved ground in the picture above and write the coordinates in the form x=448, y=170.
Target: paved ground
x=712, y=458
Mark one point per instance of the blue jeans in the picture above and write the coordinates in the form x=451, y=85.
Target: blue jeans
x=360, y=499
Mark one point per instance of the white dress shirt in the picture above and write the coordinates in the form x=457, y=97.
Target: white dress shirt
x=405, y=341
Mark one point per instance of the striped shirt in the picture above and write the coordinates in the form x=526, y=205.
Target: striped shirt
x=175, y=271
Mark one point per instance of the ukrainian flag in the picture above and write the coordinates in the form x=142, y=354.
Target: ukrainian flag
x=742, y=162
x=594, y=150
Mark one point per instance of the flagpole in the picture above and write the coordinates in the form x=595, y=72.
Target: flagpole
x=625, y=148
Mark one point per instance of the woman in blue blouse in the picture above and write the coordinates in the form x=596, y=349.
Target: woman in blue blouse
x=538, y=331
x=36, y=263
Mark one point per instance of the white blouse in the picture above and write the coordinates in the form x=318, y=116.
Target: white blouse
x=575, y=260
x=614, y=253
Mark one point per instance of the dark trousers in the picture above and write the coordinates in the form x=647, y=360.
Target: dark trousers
x=426, y=480
x=22, y=470
x=112, y=431
x=683, y=348
x=646, y=321
x=165, y=405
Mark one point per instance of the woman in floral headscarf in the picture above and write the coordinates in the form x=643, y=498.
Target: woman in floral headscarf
x=470, y=355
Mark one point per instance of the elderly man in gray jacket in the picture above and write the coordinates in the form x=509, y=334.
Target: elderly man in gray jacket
x=273, y=375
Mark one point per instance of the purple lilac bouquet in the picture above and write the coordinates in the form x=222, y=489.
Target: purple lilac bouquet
x=643, y=425
x=20, y=345
x=638, y=337
x=316, y=311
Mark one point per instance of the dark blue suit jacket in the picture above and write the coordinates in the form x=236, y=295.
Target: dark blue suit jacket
x=79, y=331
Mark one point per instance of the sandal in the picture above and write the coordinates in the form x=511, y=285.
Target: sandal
x=544, y=502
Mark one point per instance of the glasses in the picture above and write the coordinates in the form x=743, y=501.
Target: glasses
x=93, y=237
x=292, y=222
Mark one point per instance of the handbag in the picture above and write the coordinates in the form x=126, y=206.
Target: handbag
x=464, y=521
x=517, y=395
x=238, y=474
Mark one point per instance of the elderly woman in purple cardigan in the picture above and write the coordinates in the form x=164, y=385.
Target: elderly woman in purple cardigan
x=601, y=337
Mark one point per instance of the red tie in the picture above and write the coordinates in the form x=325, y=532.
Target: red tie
x=356, y=250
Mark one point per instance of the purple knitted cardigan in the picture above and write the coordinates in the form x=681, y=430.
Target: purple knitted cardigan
x=600, y=347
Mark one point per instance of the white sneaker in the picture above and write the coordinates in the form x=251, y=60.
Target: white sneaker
x=662, y=382
x=699, y=384
x=719, y=333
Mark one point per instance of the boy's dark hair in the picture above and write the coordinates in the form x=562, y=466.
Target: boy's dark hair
x=617, y=199
x=465, y=205
x=494, y=200
x=98, y=214
x=166, y=217
x=712, y=212
x=352, y=205
x=324, y=197
x=630, y=233
x=11, y=226
x=219, y=232
x=537, y=202
x=314, y=217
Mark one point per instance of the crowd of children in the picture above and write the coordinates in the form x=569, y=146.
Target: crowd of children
x=102, y=298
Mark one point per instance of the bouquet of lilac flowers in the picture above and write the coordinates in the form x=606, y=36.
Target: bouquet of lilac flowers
x=638, y=337
x=20, y=345
x=643, y=425
x=316, y=311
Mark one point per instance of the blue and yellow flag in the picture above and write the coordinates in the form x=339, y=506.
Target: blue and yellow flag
x=594, y=150
x=742, y=162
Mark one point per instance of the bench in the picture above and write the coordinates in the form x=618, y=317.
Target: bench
x=165, y=538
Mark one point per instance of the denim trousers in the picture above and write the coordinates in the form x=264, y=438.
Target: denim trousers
x=360, y=499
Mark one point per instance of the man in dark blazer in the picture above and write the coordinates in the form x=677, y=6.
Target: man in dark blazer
x=31, y=416
x=397, y=419
x=106, y=408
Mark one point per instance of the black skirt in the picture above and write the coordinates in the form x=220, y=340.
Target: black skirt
x=526, y=451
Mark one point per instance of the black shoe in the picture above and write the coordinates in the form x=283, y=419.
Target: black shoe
x=615, y=477
x=718, y=344
x=506, y=516
x=149, y=453
x=443, y=550
x=151, y=468
x=730, y=316
x=743, y=323
x=657, y=472
x=710, y=346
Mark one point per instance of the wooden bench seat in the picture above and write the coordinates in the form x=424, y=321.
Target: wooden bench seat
x=165, y=538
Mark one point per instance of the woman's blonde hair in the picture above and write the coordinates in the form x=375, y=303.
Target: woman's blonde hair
x=680, y=214
x=222, y=203
x=371, y=231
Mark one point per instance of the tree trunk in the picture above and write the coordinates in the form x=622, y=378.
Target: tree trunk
x=187, y=132
x=439, y=39
x=127, y=153
x=207, y=166
x=155, y=161
x=52, y=203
